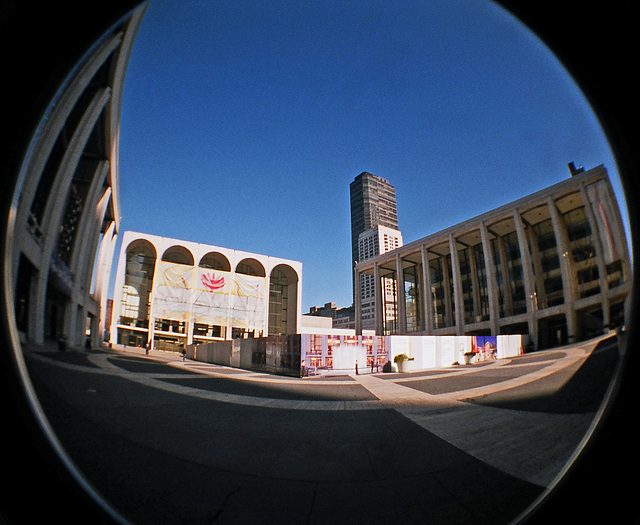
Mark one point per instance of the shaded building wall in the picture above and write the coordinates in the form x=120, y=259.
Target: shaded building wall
x=68, y=212
x=274, y=354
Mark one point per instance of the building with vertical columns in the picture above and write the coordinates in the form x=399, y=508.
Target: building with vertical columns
x=171, y=293
x=67, y=213
x=373, y=242
x=553, y=266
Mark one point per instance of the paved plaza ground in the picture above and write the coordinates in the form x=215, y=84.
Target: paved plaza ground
x=170, y=441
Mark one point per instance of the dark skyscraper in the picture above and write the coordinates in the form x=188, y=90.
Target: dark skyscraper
x=373, y=203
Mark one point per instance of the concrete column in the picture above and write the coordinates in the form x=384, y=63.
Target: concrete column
x=527, y=273
x=379, y=302
x=103, y=272
x=81, y=326
x=60, y=191
x=492, y=282
x=401, y=303
x=90, y=223
x=60, y=112
x=358, y=301
x=35, y=324
x=188, y=329
x=457, y=286
x=567, y=268
x=597, y=243
x=427, y=298
x=448, y=299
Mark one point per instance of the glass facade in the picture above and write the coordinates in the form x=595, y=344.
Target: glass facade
x=413, y=298
x=441, y=315
x=547, y=273
x=390, y=303
x=138, y=283
x=583, y=252
x=278, y=302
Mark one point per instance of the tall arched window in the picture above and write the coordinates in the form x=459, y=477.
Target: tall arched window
x=278, y=302
x=138, y=283
x=283, y=300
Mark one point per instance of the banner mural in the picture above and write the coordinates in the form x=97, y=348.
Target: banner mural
x=605, y=217
x=248, y=307
x=340, y=354
x=211, y=297
x=201, y=295
x=484, y=346
x=173, y=291
x=333, y=354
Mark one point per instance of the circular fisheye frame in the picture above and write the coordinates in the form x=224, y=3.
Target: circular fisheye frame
x=74, y=396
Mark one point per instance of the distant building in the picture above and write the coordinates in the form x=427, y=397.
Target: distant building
x=345, y=318
x=371, y=243
x=172, y=293
x=328, y=310
x=373, y=204
x=342, y=318
x=553, y=266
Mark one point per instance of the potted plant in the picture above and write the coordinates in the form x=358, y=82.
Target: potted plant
x=399, y=361
x=468, y=356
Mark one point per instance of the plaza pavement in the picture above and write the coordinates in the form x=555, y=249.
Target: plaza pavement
x=170, y=441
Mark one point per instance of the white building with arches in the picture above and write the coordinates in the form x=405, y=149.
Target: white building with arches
x=170, y=293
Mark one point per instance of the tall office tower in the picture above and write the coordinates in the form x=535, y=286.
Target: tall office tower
x=372, y=243
x=373, y=203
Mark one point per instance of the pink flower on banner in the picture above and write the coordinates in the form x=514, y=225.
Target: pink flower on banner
x=210, y=282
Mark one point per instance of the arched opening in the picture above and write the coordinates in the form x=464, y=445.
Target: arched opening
x=136, y=291
x=215, y=261
x=251, y=266
x=178, y=255
x=283, y=298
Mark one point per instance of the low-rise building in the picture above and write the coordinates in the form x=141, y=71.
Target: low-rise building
x=171, y=293
x=553, y=266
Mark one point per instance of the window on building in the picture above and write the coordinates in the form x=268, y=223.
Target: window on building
x=413, y=298
x=583, y=251
x=278, y=302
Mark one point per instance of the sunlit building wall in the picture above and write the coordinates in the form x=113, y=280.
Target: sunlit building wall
x=373, y=242
x=68, y=214
x=171, y=293
x=553, y=265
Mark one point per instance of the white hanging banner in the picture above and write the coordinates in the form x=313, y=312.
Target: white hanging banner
x=201, y=295
x=211, y=297
x=603, y=211
x=173, y=291
x=248, y=309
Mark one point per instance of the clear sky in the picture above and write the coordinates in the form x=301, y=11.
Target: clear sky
x=244, y=122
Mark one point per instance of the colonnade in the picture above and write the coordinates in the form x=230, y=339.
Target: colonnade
x=67, y=215
x=543, y=263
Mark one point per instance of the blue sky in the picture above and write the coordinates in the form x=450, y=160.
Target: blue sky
x=244, y=122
